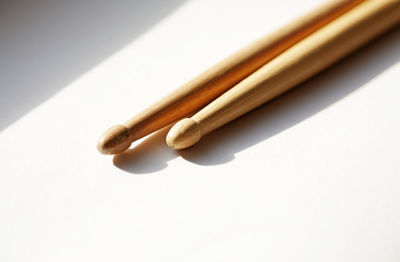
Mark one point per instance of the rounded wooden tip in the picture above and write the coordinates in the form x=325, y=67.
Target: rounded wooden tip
x=184, y=134
x=115, y=140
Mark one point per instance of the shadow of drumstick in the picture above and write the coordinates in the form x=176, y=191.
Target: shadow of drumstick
x=311, y=97
x=302, y=102
x=150, y=155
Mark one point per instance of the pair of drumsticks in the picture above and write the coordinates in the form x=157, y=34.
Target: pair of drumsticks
x=258, y=73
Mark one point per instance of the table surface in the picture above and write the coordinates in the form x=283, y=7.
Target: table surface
x=312, y=176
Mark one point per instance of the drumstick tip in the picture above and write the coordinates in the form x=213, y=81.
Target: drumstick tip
x=184, y=134
x=115, y=140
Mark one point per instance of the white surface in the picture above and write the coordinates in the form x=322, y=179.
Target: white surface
x=312, y=176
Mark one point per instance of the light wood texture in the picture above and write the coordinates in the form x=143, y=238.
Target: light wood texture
x=212, y=83
x=305, y=59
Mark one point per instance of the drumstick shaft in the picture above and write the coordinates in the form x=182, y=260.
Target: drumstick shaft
x=216, y=80
x=300, y=62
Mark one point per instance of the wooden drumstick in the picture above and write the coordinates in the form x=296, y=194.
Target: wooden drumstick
x=308, y=57
x=215, y=81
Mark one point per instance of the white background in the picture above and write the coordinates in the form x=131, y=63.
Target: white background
x=312, y=176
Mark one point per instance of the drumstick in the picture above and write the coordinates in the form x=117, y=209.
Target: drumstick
x=308, y=57
x=216, y=80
